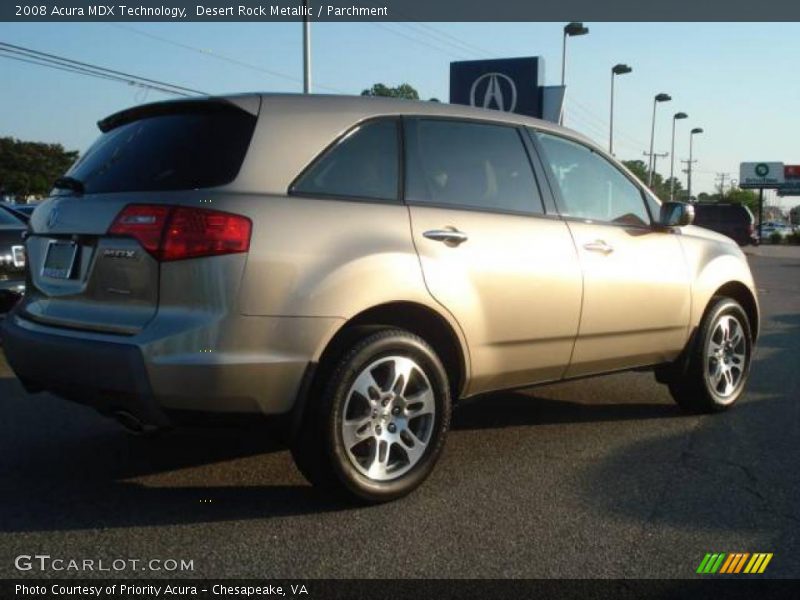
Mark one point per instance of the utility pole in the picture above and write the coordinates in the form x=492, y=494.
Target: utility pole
x=688, y=171
x=306, y=49
x=721, y=177
x=654, y=156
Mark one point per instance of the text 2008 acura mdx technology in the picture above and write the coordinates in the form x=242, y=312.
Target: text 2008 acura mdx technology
x=356, y=265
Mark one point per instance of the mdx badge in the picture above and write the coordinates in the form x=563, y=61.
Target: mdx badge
x=115, y=253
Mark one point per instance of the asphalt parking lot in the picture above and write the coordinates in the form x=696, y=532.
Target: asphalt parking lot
x=602, y=477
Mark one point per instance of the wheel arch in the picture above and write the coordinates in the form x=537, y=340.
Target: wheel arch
x=738, y=291
x=414, y=317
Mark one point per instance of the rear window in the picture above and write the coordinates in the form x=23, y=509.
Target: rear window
x=199, y=147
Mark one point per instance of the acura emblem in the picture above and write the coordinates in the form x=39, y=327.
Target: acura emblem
x=494, y=90
x=52, y=218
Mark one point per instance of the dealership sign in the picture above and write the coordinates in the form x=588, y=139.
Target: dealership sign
x=761, y=175
x=506, y=84
x=791, y=184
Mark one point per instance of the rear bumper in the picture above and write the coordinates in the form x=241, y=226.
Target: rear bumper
x=110, y=377
x=241, y=365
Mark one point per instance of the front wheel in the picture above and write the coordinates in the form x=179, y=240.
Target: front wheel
x=379, y=427
x=719, y=363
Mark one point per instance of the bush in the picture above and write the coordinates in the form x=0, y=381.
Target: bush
x=794, y=238
x=775, y=238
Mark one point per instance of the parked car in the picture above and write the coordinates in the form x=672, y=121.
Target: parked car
x=770, y=227
x=355, y=266
x=12, y=258
x=734, y=220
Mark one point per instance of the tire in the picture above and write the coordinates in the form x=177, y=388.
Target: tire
x=718, y=362
x=379, y=426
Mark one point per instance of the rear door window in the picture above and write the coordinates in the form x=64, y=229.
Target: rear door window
x=198, y=146
x=469, y=165
x=364, y=165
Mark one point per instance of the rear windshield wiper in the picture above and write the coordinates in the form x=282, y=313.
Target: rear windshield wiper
x=69, y=183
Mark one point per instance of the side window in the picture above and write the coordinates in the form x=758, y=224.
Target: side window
x=364, y=164
x=471, y=165
x=591, y=187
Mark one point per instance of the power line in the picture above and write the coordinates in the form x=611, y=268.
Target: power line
x=79, y=71
x=222, y=57
x=75, y=65
x=419, y=41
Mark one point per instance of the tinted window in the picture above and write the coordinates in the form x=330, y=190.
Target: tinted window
x=362, y=165
x=197, y=148
x=591, y=187
x=470, y=165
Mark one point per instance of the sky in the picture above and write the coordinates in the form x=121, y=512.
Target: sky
x=738, y=81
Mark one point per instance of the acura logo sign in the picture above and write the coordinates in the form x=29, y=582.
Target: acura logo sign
x=494, y=90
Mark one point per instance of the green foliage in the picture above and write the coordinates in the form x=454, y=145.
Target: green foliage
x=29, y=168
x=403, y=90
x=794, y=238
x=746, y=197
x=661, y=186
x=775, y=238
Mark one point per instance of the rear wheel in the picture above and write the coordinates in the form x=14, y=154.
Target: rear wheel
x=719, y=362
x=379, y=426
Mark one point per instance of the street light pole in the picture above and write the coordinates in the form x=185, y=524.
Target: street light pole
x=306, y=50
x=689, y=169
x=570, y=29
x=658, y=98
x=675, y=117
x=619, y=69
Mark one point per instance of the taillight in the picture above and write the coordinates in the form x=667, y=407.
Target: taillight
x=194, y=232
x=143, y=222
x=175, y=233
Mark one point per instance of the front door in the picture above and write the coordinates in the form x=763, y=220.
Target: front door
x=636, y=298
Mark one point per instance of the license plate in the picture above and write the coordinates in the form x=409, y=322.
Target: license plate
x=60, y=259
x=18, y=255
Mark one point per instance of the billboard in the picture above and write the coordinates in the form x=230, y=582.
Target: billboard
x=761, y=175
x=791, y=183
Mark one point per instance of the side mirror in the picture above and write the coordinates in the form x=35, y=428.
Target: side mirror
x=676, y=214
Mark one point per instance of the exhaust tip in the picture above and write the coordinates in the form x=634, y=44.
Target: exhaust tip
x=134, y=424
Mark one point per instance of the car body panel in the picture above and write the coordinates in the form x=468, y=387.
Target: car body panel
x=636, y=300
x=514, y=287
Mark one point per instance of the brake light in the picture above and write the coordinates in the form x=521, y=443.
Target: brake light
x=143, y=222
x=175, y=233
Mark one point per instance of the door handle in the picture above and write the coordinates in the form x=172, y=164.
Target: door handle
x=450, y=236
x=599, y=246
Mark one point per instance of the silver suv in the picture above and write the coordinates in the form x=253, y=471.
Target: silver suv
x=355, y=266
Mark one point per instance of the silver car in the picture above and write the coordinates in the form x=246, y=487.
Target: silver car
x=353, y=267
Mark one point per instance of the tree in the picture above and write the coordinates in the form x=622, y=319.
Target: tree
x=29, y=168
x=746, y=197
x=403, y=90
x=661, y=186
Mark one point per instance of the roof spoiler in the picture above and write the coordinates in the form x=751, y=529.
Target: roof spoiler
x=250, y=104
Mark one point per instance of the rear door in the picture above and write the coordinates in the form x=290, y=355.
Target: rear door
x=490, y=253
x=164, y=154
x=636, y=299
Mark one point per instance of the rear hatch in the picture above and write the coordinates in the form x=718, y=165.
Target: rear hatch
x=94, y=251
